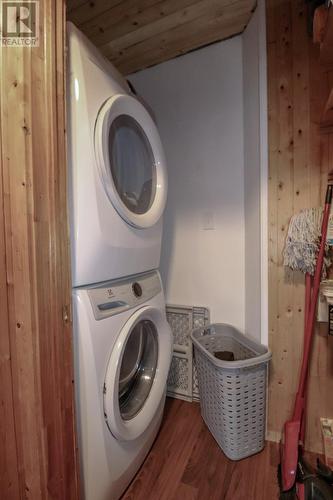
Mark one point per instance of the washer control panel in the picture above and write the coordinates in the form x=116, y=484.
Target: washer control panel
x=117, y=296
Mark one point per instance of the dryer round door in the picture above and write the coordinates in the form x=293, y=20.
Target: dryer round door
x=137, y=372
x=131, y=161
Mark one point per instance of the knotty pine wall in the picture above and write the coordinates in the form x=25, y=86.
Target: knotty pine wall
x=299, y=160
x=37, y=439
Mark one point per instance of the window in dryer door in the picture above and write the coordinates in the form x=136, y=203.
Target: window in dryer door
x=138, y=367
x=132, y=164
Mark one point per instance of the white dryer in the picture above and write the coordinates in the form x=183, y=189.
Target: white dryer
x=123, y=349
x=117, y=171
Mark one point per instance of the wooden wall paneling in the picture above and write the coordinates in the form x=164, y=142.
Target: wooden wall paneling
x=131, y=18
x=176, y=42
x=299, y=161
x=8, y=456
x=285, y=201
x=282, y=175
x=38, y=284
x=64, y=279
x=16, y=150
x=121, y=44
x=300, y=140
x=80, y=11
x=135, y=35
x=318, y=148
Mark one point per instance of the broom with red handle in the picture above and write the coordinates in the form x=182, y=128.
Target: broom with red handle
x=294, y=429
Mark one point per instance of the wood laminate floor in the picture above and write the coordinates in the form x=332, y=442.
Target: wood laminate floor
x=185, y=463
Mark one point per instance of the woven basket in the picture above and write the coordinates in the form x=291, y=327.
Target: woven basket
x=232, y=393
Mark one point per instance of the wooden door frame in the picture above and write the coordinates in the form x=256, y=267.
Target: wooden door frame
x=36, y=360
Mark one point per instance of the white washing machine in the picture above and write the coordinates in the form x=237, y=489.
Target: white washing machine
x=123, y=349
x=118, y=179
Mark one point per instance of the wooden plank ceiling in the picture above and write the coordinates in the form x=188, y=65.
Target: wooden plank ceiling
x=135, y=34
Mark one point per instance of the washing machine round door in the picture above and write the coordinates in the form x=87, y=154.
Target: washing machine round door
x=137, y=372
x=131, y=161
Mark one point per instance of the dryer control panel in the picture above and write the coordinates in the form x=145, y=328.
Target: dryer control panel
x=120, y=295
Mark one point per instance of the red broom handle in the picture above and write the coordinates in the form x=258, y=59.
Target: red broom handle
x=308, y=292
x=308, y=334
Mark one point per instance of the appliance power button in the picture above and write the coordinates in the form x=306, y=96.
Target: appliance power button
x=137, y=289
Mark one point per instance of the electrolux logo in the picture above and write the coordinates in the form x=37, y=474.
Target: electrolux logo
x=19, y=23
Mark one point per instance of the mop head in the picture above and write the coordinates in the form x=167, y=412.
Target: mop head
x=303, y=240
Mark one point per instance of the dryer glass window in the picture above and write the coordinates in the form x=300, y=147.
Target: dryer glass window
x=132, y=164
x=138, y=367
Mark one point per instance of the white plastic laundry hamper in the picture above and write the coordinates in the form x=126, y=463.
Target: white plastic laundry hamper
x=232, y=393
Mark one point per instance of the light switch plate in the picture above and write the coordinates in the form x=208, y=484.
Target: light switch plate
x=208, y=221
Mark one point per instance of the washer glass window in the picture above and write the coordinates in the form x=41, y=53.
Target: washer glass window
x=138, y=367
x=132, y=164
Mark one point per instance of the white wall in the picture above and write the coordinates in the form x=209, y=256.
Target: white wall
x=198, y=104
x=252, y=176
x=255, y=175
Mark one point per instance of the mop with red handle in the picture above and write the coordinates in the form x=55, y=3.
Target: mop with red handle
x=297, y=479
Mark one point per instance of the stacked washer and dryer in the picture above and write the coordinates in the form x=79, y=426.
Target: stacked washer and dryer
x=122, y=342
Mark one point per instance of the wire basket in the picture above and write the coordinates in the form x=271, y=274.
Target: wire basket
x=232, y=393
